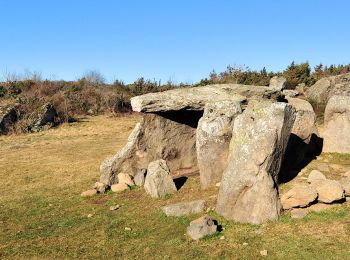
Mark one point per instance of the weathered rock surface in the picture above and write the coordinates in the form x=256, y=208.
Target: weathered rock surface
x=290, y=93
x=278, y=83
x=337, y=125
x=213, y=137
x=8, y=116
x=248, y=190
x=345, y=183
x=201, y=227
x=169, y=136
x=329, y=190
x=327, y=87
x=44, y=119
x=298, y=197
x=139, y=178
x=100, y=187
x=196, y=98
x=158, y=182
x=125, y=178
x=303, y=142
x=305, y=121
x=184, y=208
x=112, y=166
x=315, y=175
x=119, y=187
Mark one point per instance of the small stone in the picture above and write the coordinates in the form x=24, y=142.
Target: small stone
x=245, y=244
x=89, y=215
x=298, y=196
x=208, y=210
x=263, y=252
x=50, y=205
x=127, y=228
x=88, y=193
x=218, y=184
x=329, y=190
x=124, y=178
x=315, y=175
x=298, y=213
x=100, y=187
x=115, y=207
x=222, y=237
x=201, y=227
x=119, y=187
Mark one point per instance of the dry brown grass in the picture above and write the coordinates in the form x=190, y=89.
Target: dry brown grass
x=42, y=215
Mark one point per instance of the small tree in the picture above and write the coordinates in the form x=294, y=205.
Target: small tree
x=93, y=77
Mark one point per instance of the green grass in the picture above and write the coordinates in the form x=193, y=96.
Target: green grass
x=42, y=215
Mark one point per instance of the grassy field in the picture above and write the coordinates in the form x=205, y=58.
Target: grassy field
x=42, y=215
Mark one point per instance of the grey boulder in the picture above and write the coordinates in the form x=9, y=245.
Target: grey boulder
x=158, y=182
x=248, y=191
x=184, y=208
x=201, y=227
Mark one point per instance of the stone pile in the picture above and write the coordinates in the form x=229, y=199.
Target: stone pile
x=317, y=194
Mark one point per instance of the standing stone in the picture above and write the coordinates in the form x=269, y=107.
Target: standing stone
x=337, y=125
x=201, y=227
x=248, y=191
x=111, y=166
x=214, y=133
x=158, y=181
x=184, y=208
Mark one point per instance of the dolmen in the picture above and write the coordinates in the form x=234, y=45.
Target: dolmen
x=230, y=133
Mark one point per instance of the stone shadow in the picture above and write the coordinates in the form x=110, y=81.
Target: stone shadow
x=298, y=155
x=180, y=181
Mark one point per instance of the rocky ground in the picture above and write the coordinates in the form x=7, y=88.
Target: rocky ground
x=42, y=214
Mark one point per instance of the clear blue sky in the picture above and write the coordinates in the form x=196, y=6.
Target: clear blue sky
x=178, y=39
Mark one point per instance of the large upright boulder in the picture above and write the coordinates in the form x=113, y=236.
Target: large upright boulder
x=213, y=138
x=337, y=125
x=327, y=87
x=248, y=191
